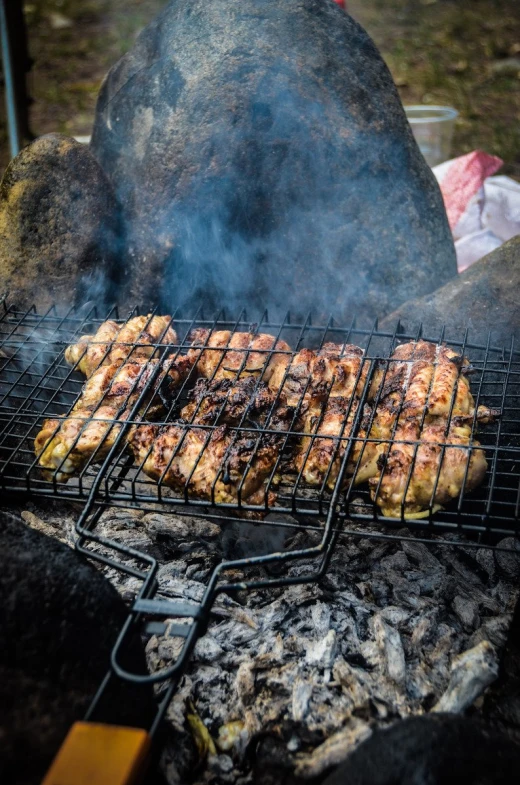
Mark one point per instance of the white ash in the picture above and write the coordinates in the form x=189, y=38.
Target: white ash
x=395, y=628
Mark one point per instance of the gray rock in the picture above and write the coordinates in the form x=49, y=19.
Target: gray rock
x=484, y=298
x=262, y=157
x=467, y=611
x=509, y=560
x=59, y=226
x=59, y=620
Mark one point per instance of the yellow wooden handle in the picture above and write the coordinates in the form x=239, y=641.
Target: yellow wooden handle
x=97, y=754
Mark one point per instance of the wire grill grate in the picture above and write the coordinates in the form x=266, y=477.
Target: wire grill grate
x=36, y=383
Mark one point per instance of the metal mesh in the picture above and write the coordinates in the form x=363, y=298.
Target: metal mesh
x=36, y=383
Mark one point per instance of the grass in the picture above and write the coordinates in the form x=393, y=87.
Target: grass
x=461, y=53
x=453, y=52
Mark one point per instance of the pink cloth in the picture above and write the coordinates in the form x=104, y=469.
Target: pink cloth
x=462, y=180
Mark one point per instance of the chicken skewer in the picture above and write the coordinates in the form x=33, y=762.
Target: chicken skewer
x=65, y=446
x=116, y=343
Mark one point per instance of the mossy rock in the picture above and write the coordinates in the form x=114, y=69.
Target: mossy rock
x=59, y=226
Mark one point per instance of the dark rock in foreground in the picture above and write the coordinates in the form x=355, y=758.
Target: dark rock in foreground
x=58, y=622
x=431, y=750
x=485, y=298
x=58, y=224
x=261, y=156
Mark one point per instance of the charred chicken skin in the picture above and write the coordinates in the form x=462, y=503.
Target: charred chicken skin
x=423, y=454
x=325, y=387
x=226, y=355
x=64, y=446
x=218, y=463
x=116, y=343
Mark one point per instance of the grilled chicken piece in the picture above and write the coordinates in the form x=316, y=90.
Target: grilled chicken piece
x=121, y=385
x=333, y=370
x=422, y=395
x=427, y=380
x=325, y=387
x=226, y=355
x=115, y=342
x=427, y=473
x=213, y=464
x=64, y=447
x=108, y=395
x=219, y=464
x=319, y=458
x=229, y=401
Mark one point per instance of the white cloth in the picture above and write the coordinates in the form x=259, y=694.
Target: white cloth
x=490, y=217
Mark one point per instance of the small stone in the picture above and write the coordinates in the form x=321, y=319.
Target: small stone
x=509, y=66
x=508, y=561
x=467, y=611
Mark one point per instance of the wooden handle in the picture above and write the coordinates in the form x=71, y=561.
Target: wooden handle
x=97, y=754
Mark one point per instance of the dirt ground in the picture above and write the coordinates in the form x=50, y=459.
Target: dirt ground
x=462, y=53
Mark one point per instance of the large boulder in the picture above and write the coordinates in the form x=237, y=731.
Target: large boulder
x=59, y=619
x=485, y=298
x=261, y=155
x=59, y=225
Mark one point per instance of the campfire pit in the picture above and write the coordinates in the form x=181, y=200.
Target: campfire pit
x=312, y=625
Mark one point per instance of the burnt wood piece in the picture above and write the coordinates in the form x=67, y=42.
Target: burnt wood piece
x=431, y=750
x=485, y=297
x=262, y=156
x=59, y=226
x=59, y=618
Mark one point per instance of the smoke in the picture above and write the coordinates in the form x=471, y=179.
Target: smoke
x=262, y=159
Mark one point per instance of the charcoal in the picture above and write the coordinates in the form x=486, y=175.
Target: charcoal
x=509, y=561
x=467, y=611
x=472, y=672
x=319, y=666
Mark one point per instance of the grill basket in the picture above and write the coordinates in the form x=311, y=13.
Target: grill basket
x=36, y=383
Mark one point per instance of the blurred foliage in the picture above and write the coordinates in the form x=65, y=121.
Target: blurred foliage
x=460, y=53
x=464, y=53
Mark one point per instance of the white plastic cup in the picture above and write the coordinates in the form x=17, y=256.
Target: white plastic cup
x=432, y=127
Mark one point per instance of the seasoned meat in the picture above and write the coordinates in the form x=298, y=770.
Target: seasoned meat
x=333, y=370
x=217, y=462
x=108, y=395
x=423, y=401
x=115, y=342
x=65, y=446
x=324, y=386
x=229, y=401
x=422, y=472
x=319, y=457
x=226, y=355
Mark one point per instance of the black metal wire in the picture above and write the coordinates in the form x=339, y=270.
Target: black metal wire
x=36, y=383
